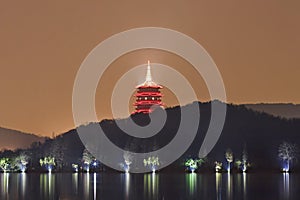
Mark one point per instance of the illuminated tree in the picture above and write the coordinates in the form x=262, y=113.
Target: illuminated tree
x=21, y=161
x=4, y=164
x=243, y=164
x=48, y=162
x=75, y=167
x=152, y=162
x=229, y=158
x=128, y=160
x=87, y=159
x=218, y=166
x=287, y=152
x=193, y=164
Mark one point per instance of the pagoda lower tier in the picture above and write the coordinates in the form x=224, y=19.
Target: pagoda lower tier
x=146, y=97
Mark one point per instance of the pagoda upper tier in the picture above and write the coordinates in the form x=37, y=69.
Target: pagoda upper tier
x=148, y=94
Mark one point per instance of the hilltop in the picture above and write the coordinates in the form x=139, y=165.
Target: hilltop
x=12, y=139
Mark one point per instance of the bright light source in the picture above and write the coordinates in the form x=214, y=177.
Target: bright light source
x=285, y=170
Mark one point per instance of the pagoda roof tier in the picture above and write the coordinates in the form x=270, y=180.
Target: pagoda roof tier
x=148, y=94
x=148, y=91
x=147, y=103
x=153, y=85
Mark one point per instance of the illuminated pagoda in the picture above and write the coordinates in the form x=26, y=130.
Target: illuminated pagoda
x=148, y=94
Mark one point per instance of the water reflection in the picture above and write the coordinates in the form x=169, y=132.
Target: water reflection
x=22, y=178
x=191, y=182
x=286, y=185
x=127, y=184
x=4, y=185
x=86, y=185
x=245, y=185
x=151, y=184
x=95, y=186
x=229, y=186
x=75, y=182
x=219, y=186
x=47, y=186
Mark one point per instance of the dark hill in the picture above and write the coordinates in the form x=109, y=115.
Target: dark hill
x=259, y=133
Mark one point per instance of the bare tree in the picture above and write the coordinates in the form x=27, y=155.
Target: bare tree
x=87, y=159
x=287, y=153
x=229, y=158
x=245, y=163
x=21, y=161
x=128, y=157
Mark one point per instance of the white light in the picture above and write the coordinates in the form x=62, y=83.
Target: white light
x=153, y=170
x=244, y=169
x=285, y=170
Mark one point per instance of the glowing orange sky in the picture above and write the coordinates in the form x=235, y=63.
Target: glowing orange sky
x=255, y=44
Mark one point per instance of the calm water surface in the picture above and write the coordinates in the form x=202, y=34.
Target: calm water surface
x=149, y=186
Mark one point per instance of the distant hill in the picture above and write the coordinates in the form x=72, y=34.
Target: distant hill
x=286, y=110
x=13, y=139
x=258, y=133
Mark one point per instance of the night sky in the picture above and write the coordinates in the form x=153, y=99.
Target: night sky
x=255, y=45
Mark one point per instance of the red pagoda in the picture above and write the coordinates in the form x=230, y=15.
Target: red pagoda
x=148, y=94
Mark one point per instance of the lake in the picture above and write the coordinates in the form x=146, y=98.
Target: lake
x=172, y=186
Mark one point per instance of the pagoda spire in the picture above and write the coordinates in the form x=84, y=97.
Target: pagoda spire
x=148, y=75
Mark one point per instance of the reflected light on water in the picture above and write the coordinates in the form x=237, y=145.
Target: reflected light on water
x=191, y=180
x=229, y=186
x=47, y=182
x=4, y=185
x=286, y=185
x=219, y=186
x=86, y=182
x=151, y=183
x=95, y=186
x=75, y=182
x=127, y=184
x=50, y=184
x=23, y=184
x=244, y=185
